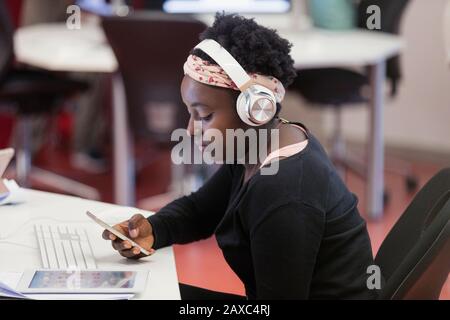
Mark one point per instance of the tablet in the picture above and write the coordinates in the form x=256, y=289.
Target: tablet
x=82, y=281
x=5, y=157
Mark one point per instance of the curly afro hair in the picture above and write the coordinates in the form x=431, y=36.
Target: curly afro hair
x=256, y=48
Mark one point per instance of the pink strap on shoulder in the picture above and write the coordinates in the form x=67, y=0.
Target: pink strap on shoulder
x=286, y=151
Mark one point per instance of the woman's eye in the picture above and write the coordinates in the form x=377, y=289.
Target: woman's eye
x=207, y=118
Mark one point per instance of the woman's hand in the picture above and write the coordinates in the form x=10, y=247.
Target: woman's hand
x=139, y=230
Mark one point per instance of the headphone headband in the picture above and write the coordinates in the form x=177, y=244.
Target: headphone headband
x=256, y=105
x=227, y=62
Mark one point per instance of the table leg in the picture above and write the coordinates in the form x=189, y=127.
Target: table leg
x=23, y=153
x=375, y=174
x=124, y=168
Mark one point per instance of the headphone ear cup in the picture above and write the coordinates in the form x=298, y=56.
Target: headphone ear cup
x=262, y=105
x=242, y=106
x=249, y=109
x=263, y=116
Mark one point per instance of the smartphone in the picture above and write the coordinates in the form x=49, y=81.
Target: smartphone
x=115, y=232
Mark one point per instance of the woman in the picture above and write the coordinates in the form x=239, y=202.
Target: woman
x=295, y=234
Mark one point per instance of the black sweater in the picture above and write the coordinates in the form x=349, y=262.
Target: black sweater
x=293, y=235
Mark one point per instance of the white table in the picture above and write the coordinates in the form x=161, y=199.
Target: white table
x=54, y=47
x=38, y=45
x=21, y=251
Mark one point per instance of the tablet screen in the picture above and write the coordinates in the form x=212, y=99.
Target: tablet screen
x=82, y=280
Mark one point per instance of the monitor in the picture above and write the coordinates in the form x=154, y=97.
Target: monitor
x=105, y=7
x=229, y=6
x=99, y=7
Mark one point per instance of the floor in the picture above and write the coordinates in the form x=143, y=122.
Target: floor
x=202, y=263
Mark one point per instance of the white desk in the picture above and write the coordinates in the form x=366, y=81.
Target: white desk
x=350, y=48
x=38, y=45
x=17, y=220
x=52, y=46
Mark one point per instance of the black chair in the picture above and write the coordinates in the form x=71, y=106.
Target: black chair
x=151, y=49
x=414, y=259
x=336, y=87
x=31, y=93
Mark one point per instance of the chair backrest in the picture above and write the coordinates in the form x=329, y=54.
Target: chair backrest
x=6, y=39
x=151, y=49
x=426, y=279
x=412, y=257
x=391, y=16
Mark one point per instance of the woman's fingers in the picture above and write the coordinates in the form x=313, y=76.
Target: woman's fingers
x=121, y=245
x=134, y=253
x=130, y=253
x=107, y=235
x=137, y=225
x=121, y=227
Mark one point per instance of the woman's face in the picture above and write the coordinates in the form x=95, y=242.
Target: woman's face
x=213, y=106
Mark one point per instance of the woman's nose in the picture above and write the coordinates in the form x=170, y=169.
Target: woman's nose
x=190, y=127
x=194, y=128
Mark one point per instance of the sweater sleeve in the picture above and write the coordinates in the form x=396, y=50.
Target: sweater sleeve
x=196, y=216
x=285, y=242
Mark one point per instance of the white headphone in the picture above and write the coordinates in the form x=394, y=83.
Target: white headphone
x=256, y=105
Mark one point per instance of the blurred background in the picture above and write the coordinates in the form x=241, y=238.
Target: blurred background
x=89, y=96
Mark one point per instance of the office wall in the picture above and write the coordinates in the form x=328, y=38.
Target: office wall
x=419, y=116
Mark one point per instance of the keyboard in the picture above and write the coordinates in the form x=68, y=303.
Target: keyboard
x=64, y=247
